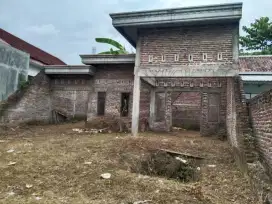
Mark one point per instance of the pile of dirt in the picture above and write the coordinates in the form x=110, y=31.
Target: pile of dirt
x=160, y=163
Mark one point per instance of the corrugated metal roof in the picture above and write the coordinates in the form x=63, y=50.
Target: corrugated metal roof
x=256, y=77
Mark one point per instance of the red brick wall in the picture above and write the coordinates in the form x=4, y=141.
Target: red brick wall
x=194, y=40
x=261, y=115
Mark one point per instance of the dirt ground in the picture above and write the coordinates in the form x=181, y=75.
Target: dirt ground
x=54, y=164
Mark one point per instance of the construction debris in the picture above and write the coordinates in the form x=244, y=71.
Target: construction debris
x=142, y=201
x=11, y=163
x=105, y=176
x=181, y=154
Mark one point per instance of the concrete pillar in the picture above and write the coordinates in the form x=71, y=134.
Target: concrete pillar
x=91, y=102
x=235, y=45
x=136, y=91
x=74, y=103
x=152, y=107
x=136, y=105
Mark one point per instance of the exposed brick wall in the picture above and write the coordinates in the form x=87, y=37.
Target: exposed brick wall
x=261, y=115
x=238, y=123
x=69, y=95
x=186, y=109
x=207, y=87
x=31, y=104
x=112, y=79
x=194, y=40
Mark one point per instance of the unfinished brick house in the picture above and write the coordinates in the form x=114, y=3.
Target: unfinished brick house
x=185, y=73
x=184, y=59
x=180, y=53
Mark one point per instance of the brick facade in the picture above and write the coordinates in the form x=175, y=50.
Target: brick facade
x=114, y=80
x=186, y=109
x=69, y=95
x=261, y=115
x=239, y=128
x=185, y=41
x=211, y=93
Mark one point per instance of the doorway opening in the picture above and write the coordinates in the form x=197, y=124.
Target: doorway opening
x=186, y=110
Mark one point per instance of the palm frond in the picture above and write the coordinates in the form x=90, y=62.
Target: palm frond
x=110, y=42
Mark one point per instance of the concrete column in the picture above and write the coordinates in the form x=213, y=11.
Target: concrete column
x=136, y=105
x=91, y=102
x=235, y=45
x=152, y=107
x=74, y=103
x=136, y=91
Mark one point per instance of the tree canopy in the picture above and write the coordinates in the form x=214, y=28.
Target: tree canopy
x=258, y=37
x=120, y=48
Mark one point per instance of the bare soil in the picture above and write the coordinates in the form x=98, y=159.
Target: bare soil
x=54, y=164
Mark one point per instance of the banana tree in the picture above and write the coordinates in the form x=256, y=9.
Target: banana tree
x=120, y=48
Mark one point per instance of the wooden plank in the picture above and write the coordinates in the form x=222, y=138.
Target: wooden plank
x=181, y=154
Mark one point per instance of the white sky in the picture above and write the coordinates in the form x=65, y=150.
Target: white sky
x=67, y=28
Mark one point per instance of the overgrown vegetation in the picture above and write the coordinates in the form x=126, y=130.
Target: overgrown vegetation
x=23, y=83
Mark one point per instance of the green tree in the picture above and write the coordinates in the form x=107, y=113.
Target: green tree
x=258, y=37
x=120, y=49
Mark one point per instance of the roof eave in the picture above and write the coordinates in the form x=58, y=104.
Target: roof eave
x=178, y=16
x=69, y=69
x=107, y=59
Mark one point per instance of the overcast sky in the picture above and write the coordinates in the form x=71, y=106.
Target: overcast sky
x=67, y=28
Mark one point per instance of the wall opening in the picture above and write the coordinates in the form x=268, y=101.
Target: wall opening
x=186, y=110
x=124, y=104
x=159, y=107
x=213, y=110
x=101, y=101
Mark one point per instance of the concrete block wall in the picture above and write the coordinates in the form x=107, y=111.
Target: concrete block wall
x=261, y=116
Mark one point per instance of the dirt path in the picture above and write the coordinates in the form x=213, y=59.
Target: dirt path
x=54, y=164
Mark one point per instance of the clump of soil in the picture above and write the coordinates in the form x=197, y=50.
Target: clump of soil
x=160, y=163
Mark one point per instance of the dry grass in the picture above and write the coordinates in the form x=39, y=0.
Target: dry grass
x=51, y=159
